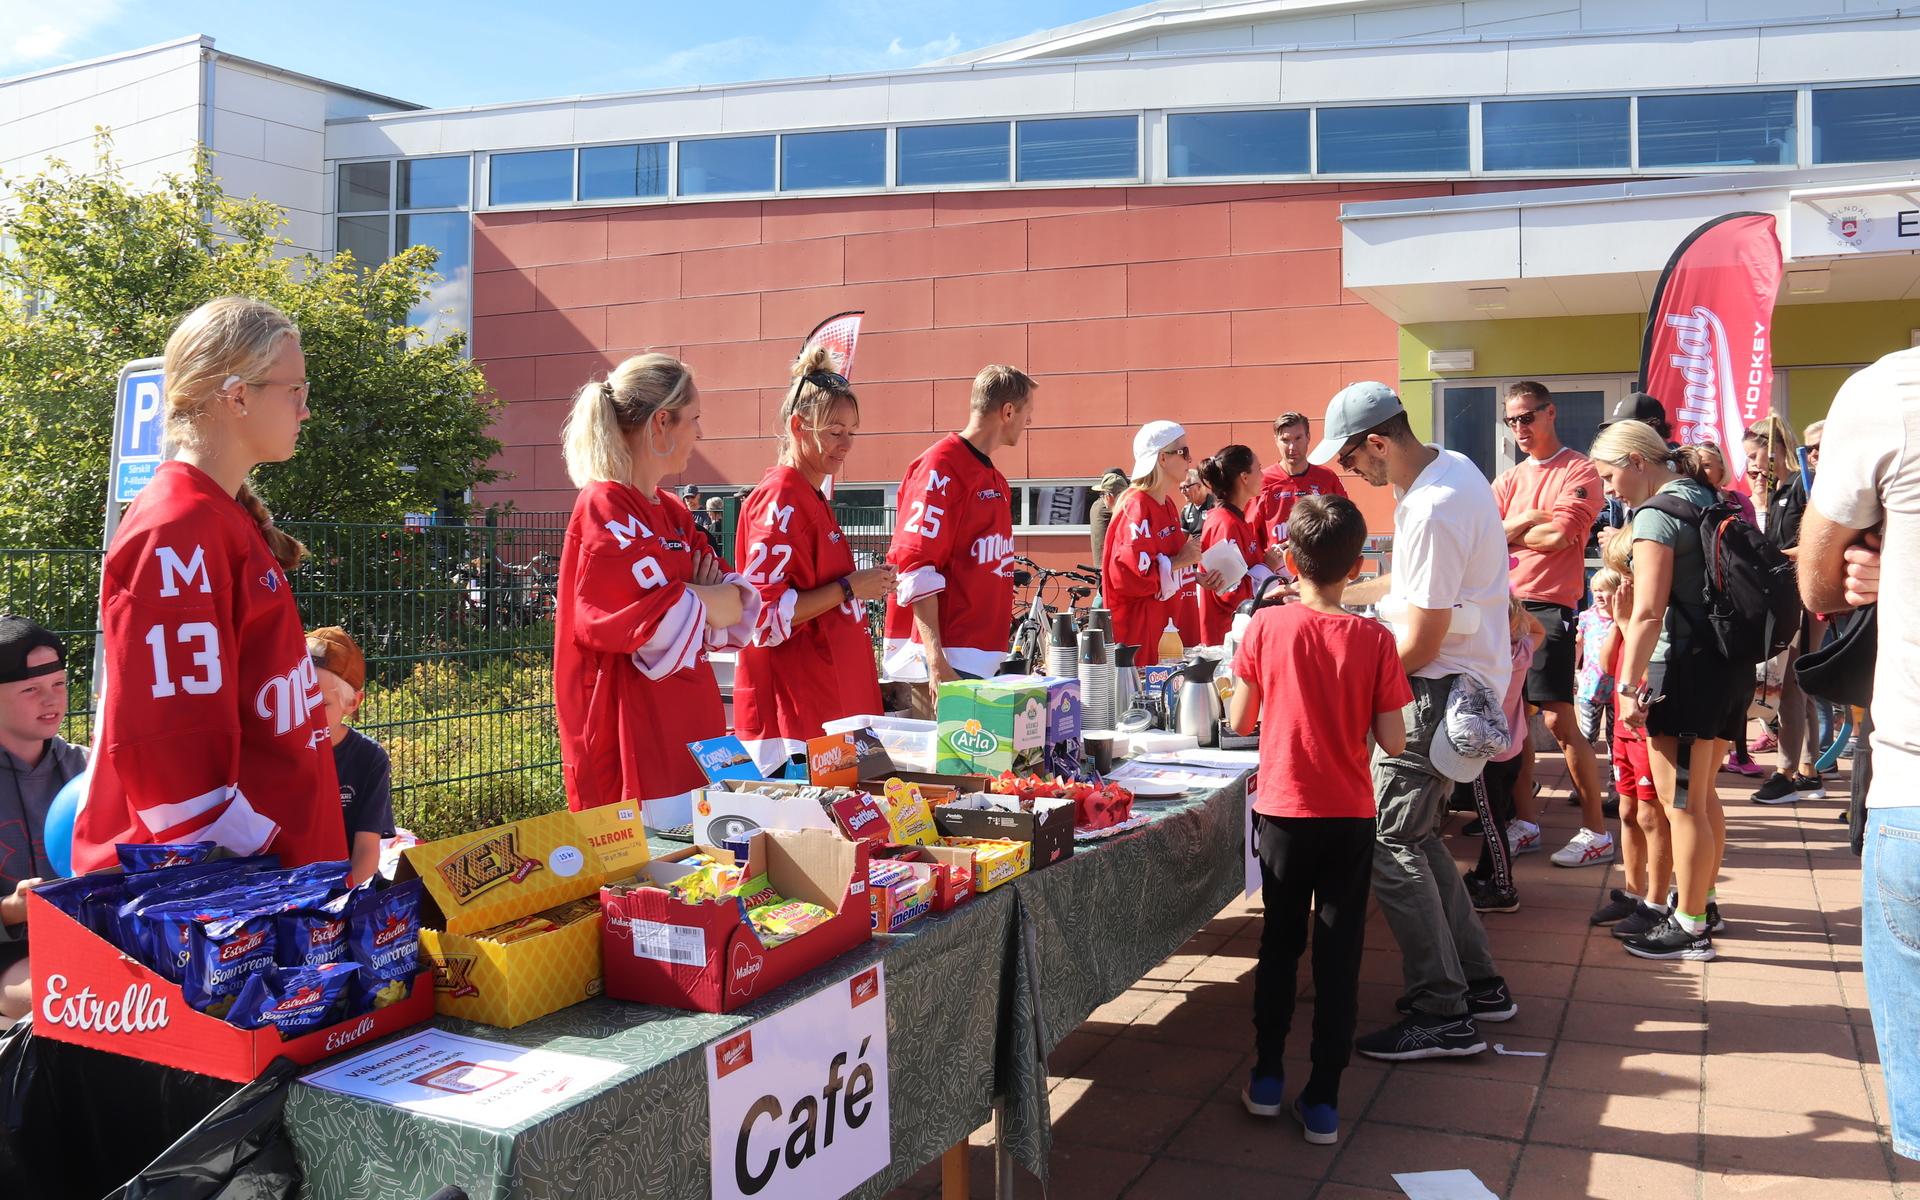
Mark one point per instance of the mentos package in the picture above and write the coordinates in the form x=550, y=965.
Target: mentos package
x=293, y=1000
x=221, y=954
x=313, y=935
x=157, y=856
x=383, y=937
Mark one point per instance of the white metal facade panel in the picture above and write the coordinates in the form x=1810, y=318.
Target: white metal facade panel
x=1703, y=58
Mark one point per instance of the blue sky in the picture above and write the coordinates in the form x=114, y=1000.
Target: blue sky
x=484, y=51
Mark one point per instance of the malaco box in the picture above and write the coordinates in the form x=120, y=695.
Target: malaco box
x=87, y=992
x=706, y=956
x=479, y=880
x=991, y=725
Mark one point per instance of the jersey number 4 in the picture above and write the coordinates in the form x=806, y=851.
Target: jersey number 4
x=206, y=657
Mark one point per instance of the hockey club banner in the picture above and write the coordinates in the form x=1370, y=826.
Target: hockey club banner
x=840, y=334
x=1708, y=353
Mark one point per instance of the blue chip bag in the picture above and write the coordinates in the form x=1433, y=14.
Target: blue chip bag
x=92, y=900
x=158, y=856
x=141, y=882
x=313, y=934
x=164, y=928
x=294, y=1000
x=221, y=953
x=334, y=873
x=383, y=936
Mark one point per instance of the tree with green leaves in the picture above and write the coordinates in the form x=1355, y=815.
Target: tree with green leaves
x=94, y=274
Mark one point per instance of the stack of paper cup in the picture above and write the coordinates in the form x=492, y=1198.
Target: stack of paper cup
x=1096, y=681
x=1062, y=658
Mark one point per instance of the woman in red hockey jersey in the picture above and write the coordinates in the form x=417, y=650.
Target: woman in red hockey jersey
x=1233, y=476
x=211, y=722
x=642, y=597
x=812, y=657
x=1149, y=557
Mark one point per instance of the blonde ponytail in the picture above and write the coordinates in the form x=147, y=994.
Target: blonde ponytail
x=289, y=550
x=593, y=440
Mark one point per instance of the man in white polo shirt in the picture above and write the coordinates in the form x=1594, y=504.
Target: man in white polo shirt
x=1447, y=599
x=1863, y=523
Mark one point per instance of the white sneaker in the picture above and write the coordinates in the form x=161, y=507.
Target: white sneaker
x=1586, y=849
x=1522, y=837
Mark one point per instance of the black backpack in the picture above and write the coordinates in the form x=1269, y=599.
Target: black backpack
x=1751, y=599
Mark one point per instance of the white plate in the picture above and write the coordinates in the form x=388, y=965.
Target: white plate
x=1152, y=791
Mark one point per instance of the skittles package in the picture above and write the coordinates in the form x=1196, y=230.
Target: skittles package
x=157, y=856
x=222, y=952
x=383, y=937
x=294, y=1000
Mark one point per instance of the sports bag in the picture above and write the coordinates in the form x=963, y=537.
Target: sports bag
x=1751, y=596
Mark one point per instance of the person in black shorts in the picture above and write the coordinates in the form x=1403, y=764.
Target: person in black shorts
x=1673, y=680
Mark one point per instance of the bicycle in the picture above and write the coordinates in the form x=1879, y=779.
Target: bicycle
x=1030, y=621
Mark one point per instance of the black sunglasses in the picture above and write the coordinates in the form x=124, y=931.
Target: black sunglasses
x=1525, y=418
x=831, y=381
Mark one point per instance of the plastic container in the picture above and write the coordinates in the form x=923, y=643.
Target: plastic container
x=913, y=744
x=1172, y=649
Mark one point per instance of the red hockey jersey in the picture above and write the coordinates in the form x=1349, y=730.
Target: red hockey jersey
x=954, y=540
x=1279, y=492
x=1227, y=524
x=631, y=681
x=1137, y=575
x=211, y=724
x=795, y=677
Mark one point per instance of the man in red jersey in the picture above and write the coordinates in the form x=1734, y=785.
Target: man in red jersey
x=1292, y=477
x=949, y=615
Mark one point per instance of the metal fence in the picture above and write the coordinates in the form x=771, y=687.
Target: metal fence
x=456, y=620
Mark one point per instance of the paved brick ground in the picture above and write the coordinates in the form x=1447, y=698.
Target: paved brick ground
x=1751, y=1076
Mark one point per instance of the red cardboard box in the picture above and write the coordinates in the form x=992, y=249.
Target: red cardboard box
x=87, y=992
x=706, y=957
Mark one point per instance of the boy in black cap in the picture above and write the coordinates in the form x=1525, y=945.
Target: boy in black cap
x=36, y=764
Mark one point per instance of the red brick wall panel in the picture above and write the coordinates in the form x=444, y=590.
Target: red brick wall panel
x=728, y=366
x=667, y=230
x=890, y=307
x=1079, y=401
x=941, y=251
x=507, y=291
x=769, y=266
x=1128, y=235
x=537, y=244
x=1131, y=343
x=517, y=335
x=608, y=281
x=560, y=375
x=1335, y=333
x=939, y=353
x=793, y=220
x=1029, y=296
x=1236, y=394
x=730, y=318
x=1241, y=281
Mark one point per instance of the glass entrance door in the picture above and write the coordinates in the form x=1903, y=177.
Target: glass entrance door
x=1468, y=416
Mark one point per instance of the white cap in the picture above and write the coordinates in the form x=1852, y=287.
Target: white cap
x=1472, y=730
x=1153, y=437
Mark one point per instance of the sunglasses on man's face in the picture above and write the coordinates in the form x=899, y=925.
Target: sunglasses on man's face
x=1524, y=418
x=1348, y=451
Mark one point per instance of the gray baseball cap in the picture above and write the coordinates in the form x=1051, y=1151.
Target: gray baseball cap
x=1355, y=409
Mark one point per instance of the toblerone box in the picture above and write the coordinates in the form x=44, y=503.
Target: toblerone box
x=481, y=880
x=990, y=725
x=617, y=835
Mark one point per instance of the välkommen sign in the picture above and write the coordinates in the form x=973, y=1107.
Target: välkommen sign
x=798, y=1103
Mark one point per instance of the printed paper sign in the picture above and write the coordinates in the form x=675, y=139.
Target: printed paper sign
x=1253, y=849
x=466, y=1080
x=797, y=1103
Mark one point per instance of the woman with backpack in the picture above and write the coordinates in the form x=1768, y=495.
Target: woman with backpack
x=1674, y=681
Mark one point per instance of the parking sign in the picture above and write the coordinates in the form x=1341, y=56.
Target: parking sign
x=138, y=420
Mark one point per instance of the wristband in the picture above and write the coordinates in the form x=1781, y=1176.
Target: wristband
x=846, y=588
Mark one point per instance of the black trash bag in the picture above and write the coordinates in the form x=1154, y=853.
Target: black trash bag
x=239, y=1151
x=78, y=1123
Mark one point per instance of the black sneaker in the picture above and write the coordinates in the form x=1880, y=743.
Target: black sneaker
x=1487, y=1000
x=1643, y=920
x=1619, y=907
x=1810, y=787
x=1668, y=940
x=1778, y=789
x=1472, y=828
x=1488, y=898
x=1419, y=1035
x=1714, y=922
x=1610, y=808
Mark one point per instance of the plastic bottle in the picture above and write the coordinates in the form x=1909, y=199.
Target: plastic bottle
x=1171, y=648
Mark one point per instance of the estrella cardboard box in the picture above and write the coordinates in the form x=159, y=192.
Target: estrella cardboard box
x=660, y=949
x=90, y=993
x=478, y=881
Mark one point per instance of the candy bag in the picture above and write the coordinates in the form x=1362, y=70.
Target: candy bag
x=221, y=953
x=383, y=937
x=294, y=1000
x=157, y=856
x=785, y=920
x=313, y=935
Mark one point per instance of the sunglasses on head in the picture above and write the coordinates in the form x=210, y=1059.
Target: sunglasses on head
x=831, y=381
x=1519, y=419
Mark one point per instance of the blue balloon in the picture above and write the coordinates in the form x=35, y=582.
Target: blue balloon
x=59, y=833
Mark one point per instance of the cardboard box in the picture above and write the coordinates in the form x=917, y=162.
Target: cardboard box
x=1063, y=706
x=480, y=880
x=617, y=835
x=707, y=957
x=952, y=871
x=840, y=759
x=898, y=904
x=86, y=991
x=1049, y=827
x=722, y=815
x=994, y=861
x=991, y=725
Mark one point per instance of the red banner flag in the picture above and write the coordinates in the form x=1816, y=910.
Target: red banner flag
x=1708, y=354
x=840, y=334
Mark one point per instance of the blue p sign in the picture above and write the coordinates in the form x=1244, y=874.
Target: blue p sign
x=139, y=420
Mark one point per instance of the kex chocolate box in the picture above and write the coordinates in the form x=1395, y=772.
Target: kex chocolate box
x=705, y=955
x=991, y=725
x=509, y=927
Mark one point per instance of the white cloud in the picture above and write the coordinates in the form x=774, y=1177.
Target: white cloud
x=33, y=32
x=753, y=56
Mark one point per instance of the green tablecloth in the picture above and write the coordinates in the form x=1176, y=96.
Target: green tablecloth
x=975, y=1000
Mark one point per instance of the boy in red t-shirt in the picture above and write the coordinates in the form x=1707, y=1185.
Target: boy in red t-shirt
x=1319, y=680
